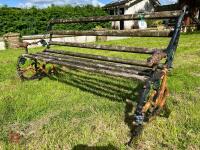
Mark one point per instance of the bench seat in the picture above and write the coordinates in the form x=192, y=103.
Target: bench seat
x=135, y=69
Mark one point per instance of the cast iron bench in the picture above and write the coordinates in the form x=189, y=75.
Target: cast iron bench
x=151, y=72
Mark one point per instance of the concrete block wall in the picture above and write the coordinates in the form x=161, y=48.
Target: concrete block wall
x=2, y=44
x=74, y=39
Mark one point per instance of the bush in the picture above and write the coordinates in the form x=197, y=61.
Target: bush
x=34, y=21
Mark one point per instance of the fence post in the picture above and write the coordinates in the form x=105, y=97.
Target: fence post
x=100, y=38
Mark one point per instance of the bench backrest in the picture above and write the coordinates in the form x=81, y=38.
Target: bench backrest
x=169, y=51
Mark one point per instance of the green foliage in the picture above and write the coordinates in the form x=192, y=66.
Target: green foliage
x=34, y=21
x=153, y=23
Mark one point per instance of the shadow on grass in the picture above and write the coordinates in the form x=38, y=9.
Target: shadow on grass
x=109, y=87
x=86, y=147
x=115, y=89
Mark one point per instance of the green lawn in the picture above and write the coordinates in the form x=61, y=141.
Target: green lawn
x=89, y=109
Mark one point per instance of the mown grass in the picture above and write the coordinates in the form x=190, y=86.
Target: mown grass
x=84, y=110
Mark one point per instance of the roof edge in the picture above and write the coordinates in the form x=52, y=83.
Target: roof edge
x=113, y=4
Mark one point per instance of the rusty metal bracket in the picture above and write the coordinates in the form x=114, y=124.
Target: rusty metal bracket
x=26, y=44
x=153, y=97
x=156, y=58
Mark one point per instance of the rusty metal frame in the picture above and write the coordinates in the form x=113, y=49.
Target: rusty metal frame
x=155, y=90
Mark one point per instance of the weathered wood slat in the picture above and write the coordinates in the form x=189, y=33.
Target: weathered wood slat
x=91, y=63
x=106, y=47
x=96, y=65
x=102, y=58
x=131, y=33
x=149, y=15
x=113, y=64
x=165, y=8
x=86, y=68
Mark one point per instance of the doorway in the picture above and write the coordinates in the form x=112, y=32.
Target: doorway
x=121, y=12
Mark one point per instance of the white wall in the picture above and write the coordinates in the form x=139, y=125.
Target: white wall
x=76, y=39
x=112, y=38
x=144, y=6
x=116, y=24
x=2, y=45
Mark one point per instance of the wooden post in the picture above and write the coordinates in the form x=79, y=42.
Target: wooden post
x=100, y=38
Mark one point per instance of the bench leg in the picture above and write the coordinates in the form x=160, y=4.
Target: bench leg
x=153, y=98
x=30, y=69
x=139, y=115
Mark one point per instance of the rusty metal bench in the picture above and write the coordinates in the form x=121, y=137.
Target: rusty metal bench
x=151, y=72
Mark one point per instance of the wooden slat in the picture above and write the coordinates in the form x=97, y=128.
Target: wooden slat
x=149, y=15
x=102, y=58
x=106, y=47
x=166, y=8
x=91, y=69
x=117, y=65
x=91, y=63
x=131, y=33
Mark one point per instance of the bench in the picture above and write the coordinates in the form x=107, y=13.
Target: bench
x=151, y=72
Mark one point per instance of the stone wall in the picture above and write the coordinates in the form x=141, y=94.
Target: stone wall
x=12, y=40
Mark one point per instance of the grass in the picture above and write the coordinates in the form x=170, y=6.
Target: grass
x=85, y=110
